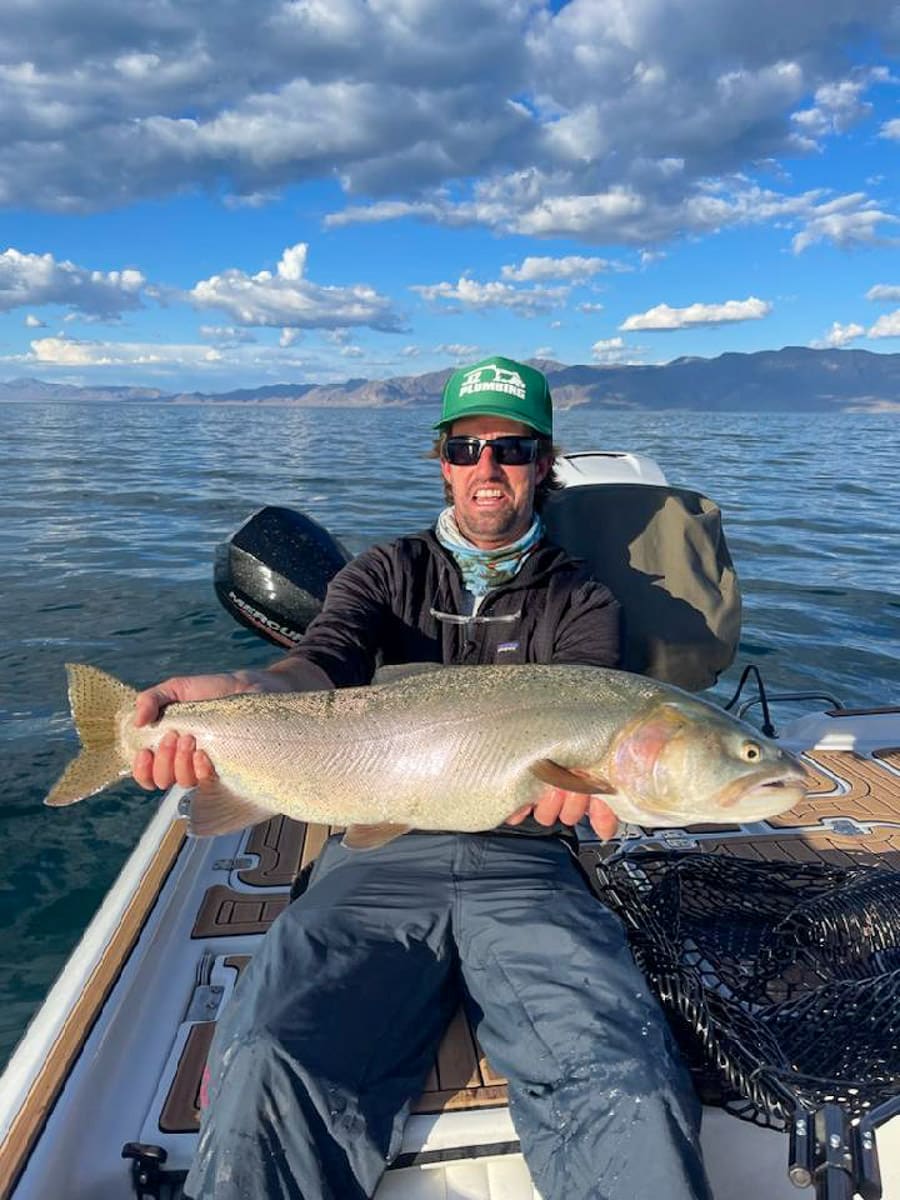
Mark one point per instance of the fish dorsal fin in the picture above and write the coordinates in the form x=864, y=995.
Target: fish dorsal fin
x=216, y=809
x=370, y=837
x=548, y=771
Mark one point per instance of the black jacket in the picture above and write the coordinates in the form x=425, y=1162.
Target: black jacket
x=391, y=604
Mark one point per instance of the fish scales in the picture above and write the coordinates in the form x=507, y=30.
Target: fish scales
x=436, y=760
x=453, y=748
x=345, y=755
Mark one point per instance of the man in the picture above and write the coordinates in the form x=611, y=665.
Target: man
x=333, y=1026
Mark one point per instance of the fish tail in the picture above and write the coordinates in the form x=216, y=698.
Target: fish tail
x=96, y=700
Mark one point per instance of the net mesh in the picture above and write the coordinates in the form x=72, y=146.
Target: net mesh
x=781, y=980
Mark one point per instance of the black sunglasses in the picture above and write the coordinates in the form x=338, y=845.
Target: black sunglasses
x=511, y=451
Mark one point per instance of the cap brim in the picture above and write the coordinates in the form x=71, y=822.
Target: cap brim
x=486, y=409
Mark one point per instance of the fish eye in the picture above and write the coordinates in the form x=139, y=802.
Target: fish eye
x=751, y=752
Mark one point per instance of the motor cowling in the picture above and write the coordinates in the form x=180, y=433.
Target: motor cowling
x=273, y=572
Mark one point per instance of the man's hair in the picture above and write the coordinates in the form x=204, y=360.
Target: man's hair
x=546, y=449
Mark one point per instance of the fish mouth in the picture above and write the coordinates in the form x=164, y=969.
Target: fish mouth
x=761, y=798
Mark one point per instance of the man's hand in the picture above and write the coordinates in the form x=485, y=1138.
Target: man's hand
x=569, y=807
x=177, y=759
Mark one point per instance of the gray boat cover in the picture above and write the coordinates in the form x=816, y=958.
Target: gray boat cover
x=662, y=551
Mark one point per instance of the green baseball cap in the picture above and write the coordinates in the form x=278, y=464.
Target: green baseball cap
x=499, y=387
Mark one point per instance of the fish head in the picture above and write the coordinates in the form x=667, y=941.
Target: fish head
x=686, y=761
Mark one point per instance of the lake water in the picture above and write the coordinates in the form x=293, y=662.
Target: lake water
x=109, y=521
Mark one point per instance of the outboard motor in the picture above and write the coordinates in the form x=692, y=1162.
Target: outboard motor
x=273, y=572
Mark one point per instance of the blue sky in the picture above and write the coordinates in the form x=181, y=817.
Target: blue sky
x=202, y=195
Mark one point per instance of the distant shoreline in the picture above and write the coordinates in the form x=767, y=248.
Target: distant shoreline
x=793, y=379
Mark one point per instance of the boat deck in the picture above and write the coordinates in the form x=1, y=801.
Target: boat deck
x=214, y=901
x=274, y=854
x=853, y=817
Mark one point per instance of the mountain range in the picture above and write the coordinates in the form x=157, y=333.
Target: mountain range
x=794, y=379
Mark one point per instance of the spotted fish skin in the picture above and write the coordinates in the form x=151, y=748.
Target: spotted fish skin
x=455, y=748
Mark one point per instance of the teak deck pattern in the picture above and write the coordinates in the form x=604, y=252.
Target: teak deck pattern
x=852, y=817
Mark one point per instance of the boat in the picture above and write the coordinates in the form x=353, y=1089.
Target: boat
x=100, y=1100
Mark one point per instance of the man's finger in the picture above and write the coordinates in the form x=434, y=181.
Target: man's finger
x=183, y=762
x=519, y=815
x=143, y=769
x=146, y=707
x=546, y=811
x=164, y=761
x=574, y=807
x=604, y=821
x=203, y=768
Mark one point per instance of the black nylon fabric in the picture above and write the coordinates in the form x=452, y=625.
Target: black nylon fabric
x=381, y=608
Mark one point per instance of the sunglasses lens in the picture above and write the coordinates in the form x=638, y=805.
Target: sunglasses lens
x=462, y=452
x=514, y=451
x=507, y=451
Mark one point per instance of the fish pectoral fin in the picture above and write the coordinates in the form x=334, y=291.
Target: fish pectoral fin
x=370, y=837
x=216, y=809
x=548, y=771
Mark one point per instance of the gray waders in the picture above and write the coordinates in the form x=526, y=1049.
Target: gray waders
x=334, y=1025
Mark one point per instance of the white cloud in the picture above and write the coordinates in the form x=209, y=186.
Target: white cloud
x=839, y=335
x=622, y=116
x=573, y=267
x=886, y=326
x=286, y=299
x=250, y=200
x=288, y=337
x=838, y=107
x=36, y=279
x=68, y=352
x=612, y=351
x=648, y=257
x=664, y=317
x=184, y=366
x=535, y=204
x=459, y=351
x=34, y=322
x=229, y=335
x=891, y=130
x=173, y=362
x=440, y=211
x=884, y=292
x=846, y=221
x=382, y=93
x=469, y=293
x=590, y=306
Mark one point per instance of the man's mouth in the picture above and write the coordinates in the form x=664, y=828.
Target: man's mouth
x=488, y=496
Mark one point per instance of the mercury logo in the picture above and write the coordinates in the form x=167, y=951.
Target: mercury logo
x=289, y=636
x=492, y=378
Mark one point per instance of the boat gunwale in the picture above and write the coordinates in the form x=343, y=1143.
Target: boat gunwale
x=43, y=1060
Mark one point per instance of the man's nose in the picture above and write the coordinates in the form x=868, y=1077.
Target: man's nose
x=487, y=464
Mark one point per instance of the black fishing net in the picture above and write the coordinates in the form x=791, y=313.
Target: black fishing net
x=781, y=980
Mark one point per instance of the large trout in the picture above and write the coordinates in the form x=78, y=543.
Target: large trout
x=457, y=748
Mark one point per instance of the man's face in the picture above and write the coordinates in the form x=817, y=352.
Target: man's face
x=493, y=504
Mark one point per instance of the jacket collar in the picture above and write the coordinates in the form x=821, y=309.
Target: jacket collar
x=545, y=559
